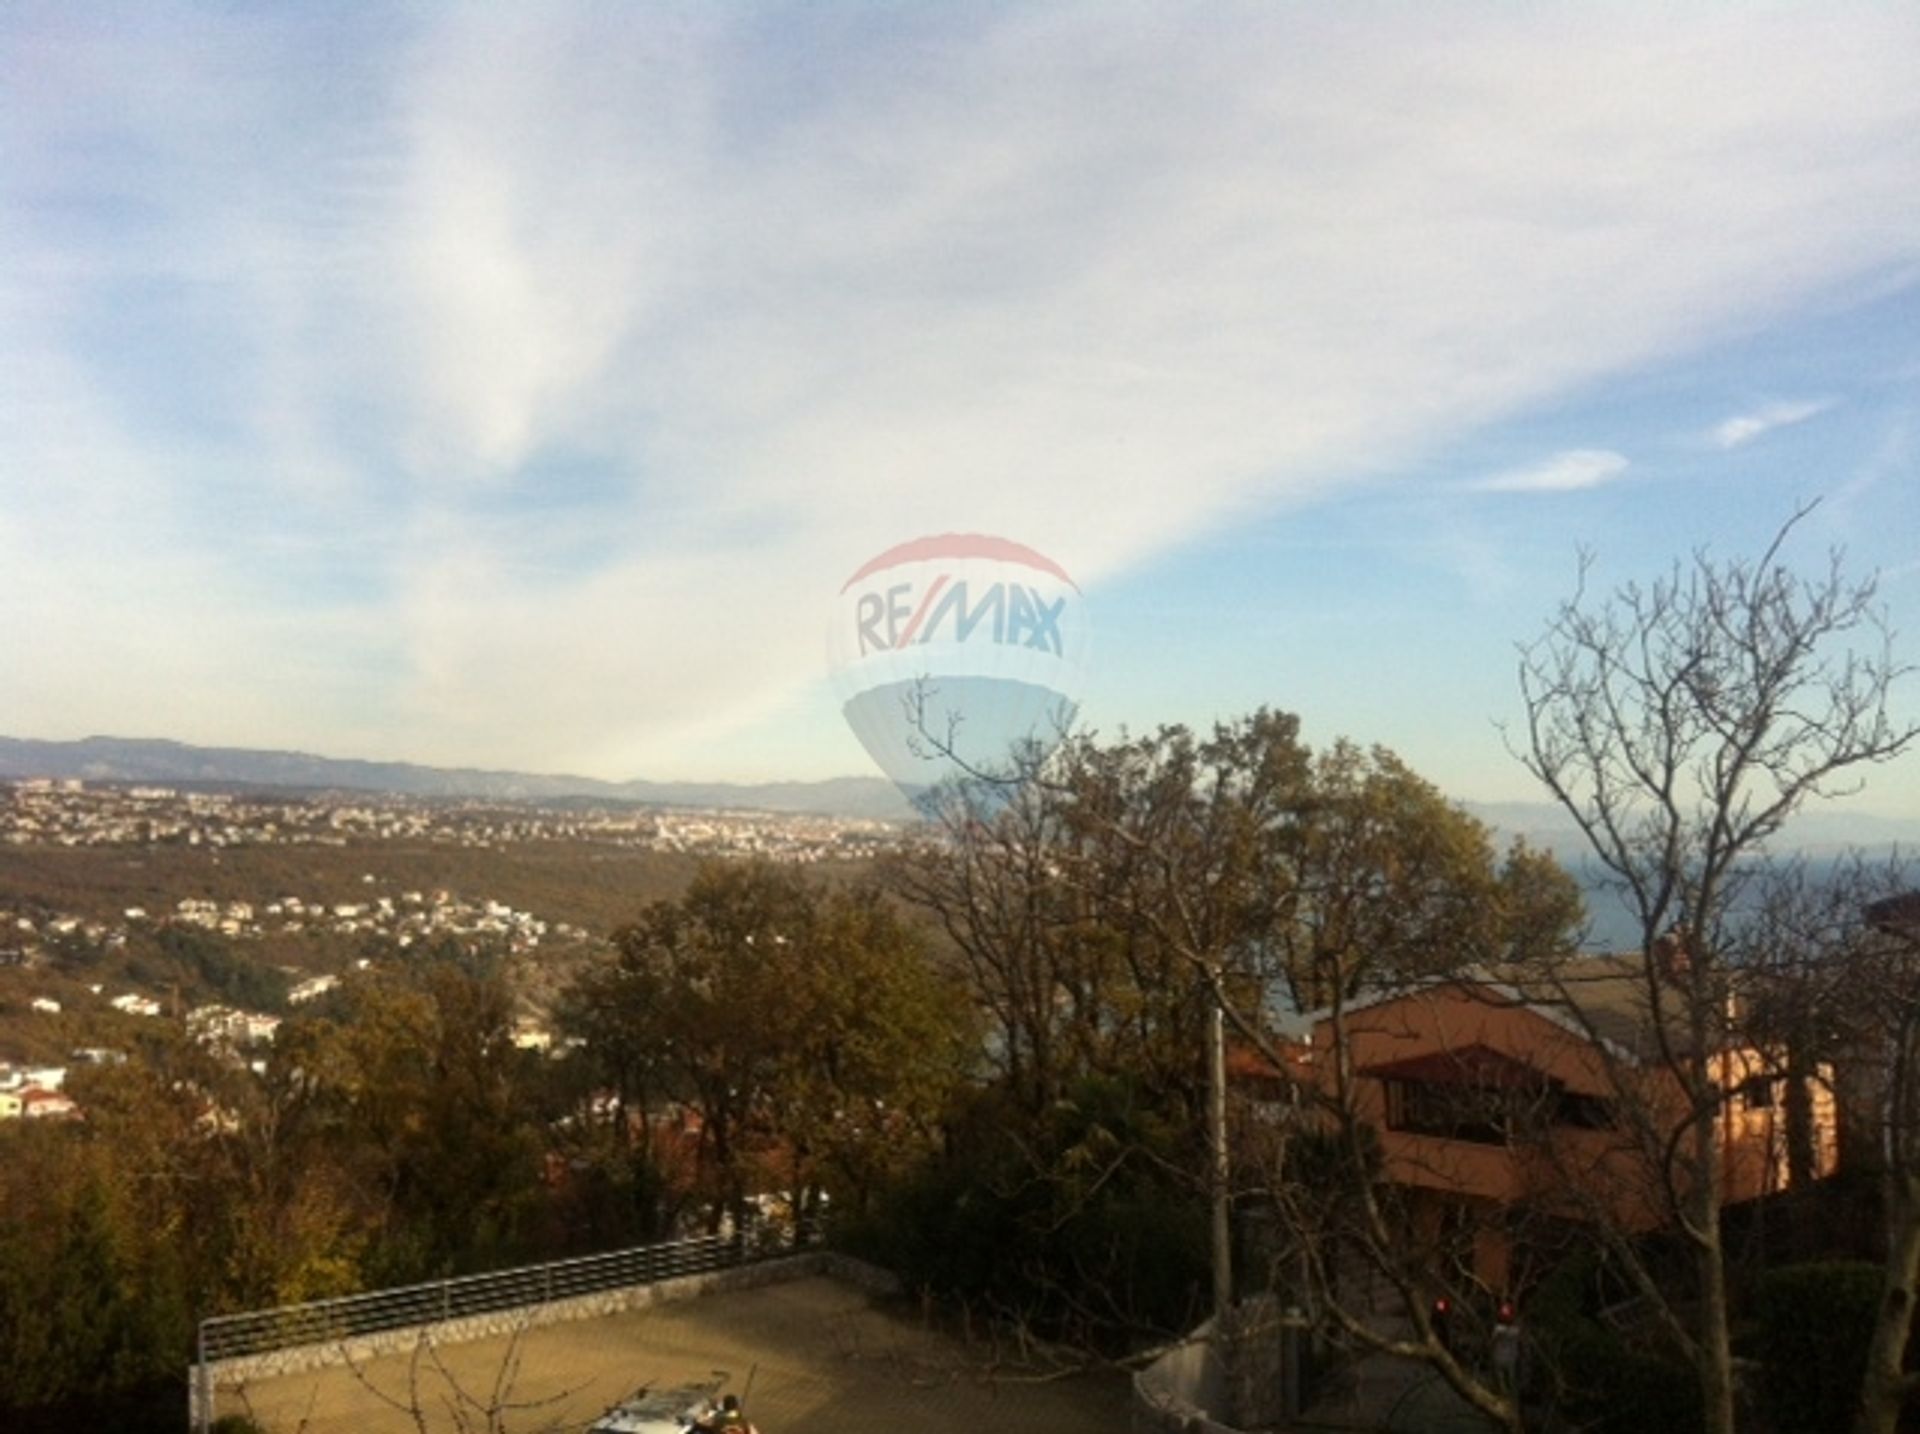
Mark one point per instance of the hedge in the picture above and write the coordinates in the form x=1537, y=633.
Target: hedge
x=1814, y=1324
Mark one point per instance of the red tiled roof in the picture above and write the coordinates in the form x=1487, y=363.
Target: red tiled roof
x=1246, y=1063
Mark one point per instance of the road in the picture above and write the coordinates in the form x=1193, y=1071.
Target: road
x=824, y=1358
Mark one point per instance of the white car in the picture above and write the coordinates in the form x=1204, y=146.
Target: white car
x=662, y=1411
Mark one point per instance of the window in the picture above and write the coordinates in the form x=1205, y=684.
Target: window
x=1759, y=1092
x=1490, y=1115
x=1582, y=1112
x=1453, y=1112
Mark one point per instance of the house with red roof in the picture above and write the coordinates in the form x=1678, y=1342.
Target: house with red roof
x=38, y=1103
x=1500, y=1104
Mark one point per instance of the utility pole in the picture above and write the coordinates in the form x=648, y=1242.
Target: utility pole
x=1219, y=1170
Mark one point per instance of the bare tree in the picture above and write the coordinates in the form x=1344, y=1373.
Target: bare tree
x=1218, y=874
x=1890, y=952
x=1681, y=724
x=430, y=1383
x=1834, y=972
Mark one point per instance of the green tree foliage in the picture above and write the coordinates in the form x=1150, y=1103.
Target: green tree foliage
x=418, y=1096
x=100, y=1253
x=1378, y=879
x=1092, y=906
x=1060, y=991
x=393, y=1137
x=90, y=1298
x=804, y=1027
x=211, y=963
x=878, y=1039
x=1099, y=909
x=1107, y=1246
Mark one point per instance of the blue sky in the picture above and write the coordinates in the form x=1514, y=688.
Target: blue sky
x=515, y=385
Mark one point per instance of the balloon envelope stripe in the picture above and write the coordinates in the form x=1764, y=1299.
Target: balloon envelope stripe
x=960, y=545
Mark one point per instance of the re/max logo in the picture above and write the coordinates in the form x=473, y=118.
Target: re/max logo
x=1018, y=613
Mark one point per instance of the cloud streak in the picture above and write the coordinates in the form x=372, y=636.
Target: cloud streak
x=1566, y=472
x=516, y=390
x=1743, y=428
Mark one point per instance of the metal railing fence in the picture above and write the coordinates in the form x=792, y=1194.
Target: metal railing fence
x=376, y=1311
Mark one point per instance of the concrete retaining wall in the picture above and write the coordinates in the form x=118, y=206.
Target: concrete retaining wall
x=1174, y=1394
x=296, y=1359
x=1191, y=1389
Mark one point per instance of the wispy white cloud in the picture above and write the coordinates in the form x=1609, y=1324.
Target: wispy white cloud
x=1891, y=457
x=515, y=385
x=1562, y=473
x=1745, y=427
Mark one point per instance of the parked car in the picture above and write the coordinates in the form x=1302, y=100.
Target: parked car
x=663, y=1411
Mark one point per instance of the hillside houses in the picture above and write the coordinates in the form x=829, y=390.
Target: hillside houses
x=227, y=1027
x=37, y=1104
x=72, y=814
x=311, y=989
x=192, y=939
x=234, y=918
x=35, y=1093
x=410, y=919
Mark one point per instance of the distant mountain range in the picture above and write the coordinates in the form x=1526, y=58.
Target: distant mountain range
x=122, y=759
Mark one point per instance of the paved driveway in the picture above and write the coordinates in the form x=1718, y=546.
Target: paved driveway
x=823, y=1357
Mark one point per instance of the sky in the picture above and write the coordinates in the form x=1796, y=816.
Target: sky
x=515, y=386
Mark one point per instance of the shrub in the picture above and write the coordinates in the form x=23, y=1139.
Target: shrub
x=1596, y=1379
x=1815, y=1322
x=1076, y=1222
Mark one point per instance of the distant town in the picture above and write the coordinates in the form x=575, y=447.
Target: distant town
x=303, y=936
x=70, y=812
